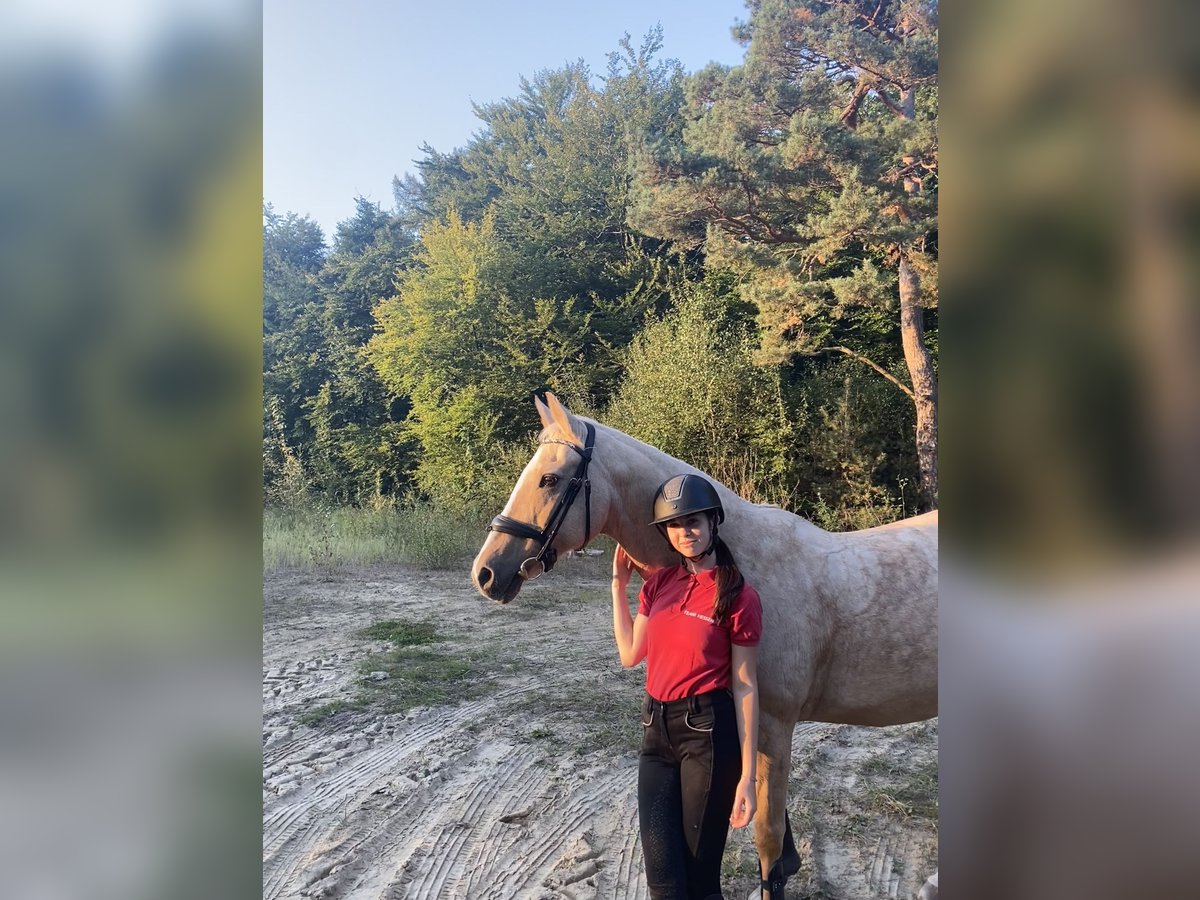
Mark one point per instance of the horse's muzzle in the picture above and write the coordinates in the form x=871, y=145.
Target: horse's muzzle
x=487, y=583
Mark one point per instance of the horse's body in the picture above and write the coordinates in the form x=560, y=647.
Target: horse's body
x=849, y=620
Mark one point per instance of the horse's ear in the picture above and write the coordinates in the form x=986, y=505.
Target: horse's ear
x=560, y=414
x=543, y=411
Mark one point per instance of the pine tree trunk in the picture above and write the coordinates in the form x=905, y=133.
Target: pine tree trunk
x=924, y=382
x=916, y=354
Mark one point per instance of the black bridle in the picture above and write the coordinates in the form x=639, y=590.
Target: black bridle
x=547, y=555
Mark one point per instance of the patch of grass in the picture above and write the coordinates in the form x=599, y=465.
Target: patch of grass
x=920, y=733
x=423, y=667
x=739, y=861
x=319, y=714
x=876, y=766
x=417, y=677
x=907, y=795
x=854, y=824
x=403, y=634
x=420, y=675
x=328, y=538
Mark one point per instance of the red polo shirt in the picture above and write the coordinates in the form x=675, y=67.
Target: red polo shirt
x=687, y=653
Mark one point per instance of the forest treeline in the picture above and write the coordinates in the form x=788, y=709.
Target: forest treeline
x=738, y=265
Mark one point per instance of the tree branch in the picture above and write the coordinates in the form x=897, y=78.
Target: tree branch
x=867, y=362
x=890, y=104
x=849, y=116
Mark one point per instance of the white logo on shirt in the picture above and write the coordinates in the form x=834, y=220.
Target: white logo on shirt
x=696, y=615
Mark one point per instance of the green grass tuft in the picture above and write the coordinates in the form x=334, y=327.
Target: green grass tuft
x=403, y=634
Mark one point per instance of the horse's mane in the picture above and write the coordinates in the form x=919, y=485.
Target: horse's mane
x=556, y=432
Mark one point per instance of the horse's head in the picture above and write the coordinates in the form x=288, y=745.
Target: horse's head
x=554, y=506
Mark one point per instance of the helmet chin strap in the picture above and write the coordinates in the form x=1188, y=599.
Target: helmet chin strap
x=712, y=544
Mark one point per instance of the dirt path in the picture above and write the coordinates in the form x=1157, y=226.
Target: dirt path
x=523, y=787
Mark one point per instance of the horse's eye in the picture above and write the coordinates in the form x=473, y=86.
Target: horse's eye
x=548, y=481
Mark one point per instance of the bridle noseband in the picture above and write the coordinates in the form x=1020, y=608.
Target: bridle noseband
x=547, y=555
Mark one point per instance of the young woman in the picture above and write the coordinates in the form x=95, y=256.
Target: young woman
x=697, y=627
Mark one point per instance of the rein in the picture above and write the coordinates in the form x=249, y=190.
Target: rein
x=547, y=555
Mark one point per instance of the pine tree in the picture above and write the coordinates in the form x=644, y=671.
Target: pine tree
x=812, y=170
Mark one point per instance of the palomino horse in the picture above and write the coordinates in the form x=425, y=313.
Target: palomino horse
x=849, y=620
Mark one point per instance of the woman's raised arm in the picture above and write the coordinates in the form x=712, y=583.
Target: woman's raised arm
x=629, y=632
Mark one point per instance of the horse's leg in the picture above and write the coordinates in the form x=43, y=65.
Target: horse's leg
x=770, y=821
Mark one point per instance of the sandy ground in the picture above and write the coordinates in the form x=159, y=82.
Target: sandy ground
x=525, y=790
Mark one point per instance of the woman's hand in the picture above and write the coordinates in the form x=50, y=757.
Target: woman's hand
x=624, y=564
x=623, y=567
x=744, y=804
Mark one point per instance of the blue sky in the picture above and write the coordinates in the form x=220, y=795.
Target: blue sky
x=352, y=89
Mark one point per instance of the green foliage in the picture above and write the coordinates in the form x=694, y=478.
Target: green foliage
x=463, y=467
x=549, y=176
x=442, y=313
x=678, y=255
x=328, y=420
x=830, y=441
x=287, y=485
x=859, y=468
x=293, y=252
x=811, y=171
x=793, y=168
x=468, y=357
x=692, y=389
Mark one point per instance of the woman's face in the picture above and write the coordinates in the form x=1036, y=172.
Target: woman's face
x=690, y=534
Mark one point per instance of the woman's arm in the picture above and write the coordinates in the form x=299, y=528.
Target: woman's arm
x=745, y=701
x=629, y=632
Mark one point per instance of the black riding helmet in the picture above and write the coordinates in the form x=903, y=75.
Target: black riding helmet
x=682, y=495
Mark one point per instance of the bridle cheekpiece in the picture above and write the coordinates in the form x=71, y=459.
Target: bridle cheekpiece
x=547, y=555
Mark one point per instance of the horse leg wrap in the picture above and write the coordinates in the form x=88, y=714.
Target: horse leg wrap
x=789, y=860
x=772, y=888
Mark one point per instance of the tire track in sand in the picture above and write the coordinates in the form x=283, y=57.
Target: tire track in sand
x=291, y=828
x=455, y=840
x=376, y=850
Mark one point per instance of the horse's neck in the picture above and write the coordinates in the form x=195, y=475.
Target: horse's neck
x=635, y=470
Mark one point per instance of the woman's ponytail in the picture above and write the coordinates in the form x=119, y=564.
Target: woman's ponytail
x=729, y=582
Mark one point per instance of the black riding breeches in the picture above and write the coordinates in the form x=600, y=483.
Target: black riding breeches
x=688, y=772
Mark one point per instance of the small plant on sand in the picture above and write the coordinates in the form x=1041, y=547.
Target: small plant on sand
x=319, y=714
x=403, y=634
x=739, y=862
x=913, y=795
